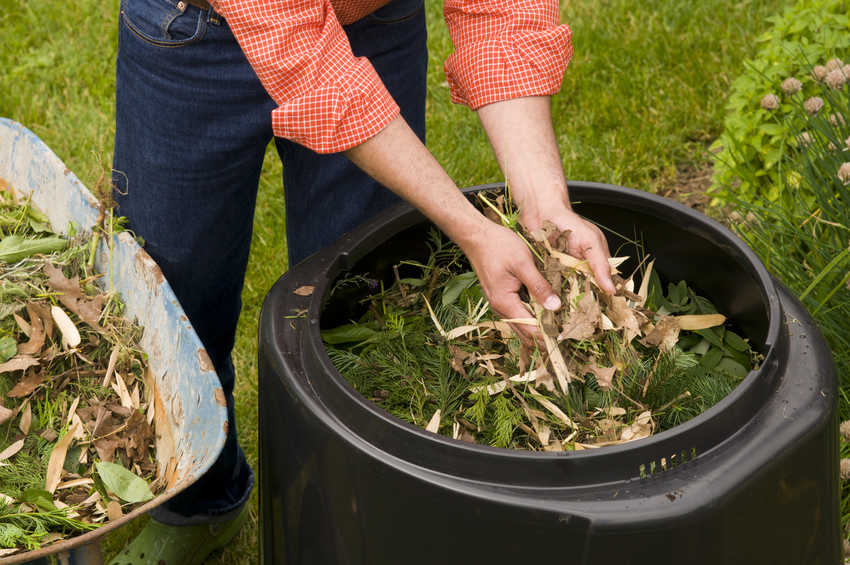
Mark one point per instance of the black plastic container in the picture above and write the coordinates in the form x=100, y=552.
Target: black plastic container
x=753, y=480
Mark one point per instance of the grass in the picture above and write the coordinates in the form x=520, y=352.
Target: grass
x=641, y=100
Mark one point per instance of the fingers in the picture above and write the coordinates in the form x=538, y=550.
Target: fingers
x=538, y=286
x=598, y=260
x=592, y=246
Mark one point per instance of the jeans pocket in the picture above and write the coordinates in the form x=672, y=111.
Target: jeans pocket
x=397, y=11
x=164, y=23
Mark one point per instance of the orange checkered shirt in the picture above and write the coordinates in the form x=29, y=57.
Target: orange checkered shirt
x=329, y=100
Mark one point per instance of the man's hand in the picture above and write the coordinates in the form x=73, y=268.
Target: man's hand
x=521, y=133
x=585, y=241
x=504, y=265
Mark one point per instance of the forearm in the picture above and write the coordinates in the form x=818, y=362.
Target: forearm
x=397, y=159
x=521, y=133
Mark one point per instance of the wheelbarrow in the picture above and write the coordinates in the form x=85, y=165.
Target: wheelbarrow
x=190, y=411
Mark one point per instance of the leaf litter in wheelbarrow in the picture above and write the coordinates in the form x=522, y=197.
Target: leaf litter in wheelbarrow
x=76, y=419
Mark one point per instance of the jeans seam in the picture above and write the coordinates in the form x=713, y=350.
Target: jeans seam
x=199, y=34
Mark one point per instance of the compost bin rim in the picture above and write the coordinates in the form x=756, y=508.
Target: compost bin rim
x=349, y=249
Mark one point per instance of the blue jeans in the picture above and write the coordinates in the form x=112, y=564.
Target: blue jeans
x=192, y=125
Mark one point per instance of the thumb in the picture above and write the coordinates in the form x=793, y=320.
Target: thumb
x=539, y=287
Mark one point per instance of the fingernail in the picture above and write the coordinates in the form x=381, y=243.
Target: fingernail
x=552, y=303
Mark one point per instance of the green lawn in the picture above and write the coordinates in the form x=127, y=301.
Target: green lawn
x=640, y=102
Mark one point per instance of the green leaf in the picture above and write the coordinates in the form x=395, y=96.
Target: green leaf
x=730, y=367
x=8, y=348
x=712, y=358
x=125, y=484
x=713, y=335
x=39, y=498
x=72, y=459
x=654, y=294
x=456, y=285
x=13, y=247
x=701, y=348
x=736, y=342
x=412, y=282
x=349, y=333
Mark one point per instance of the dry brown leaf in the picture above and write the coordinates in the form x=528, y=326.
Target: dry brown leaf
x=120, y=388
x=604, y=375
x=305, y=290
x=434, y=424
x=72, y=297
x=57, y=460
x=139, y=436
x=43, y=312
x=643, y=291
x=110, y=367
x=583, y=322
x=623, y=317
x=699, y=321
x=71, y=411
x=498, y=387
x=36, y=335
x=5, y=414
x=664, y=335
x=18, y=363
x=73, y=483
x=70, y=334
x=551, y=407
x=22, y=325
x=639, y=429
x=562, y=372
x=113, y=510
x=11, y=450
x=26, y=418
x=25, y=386
x=106, y=447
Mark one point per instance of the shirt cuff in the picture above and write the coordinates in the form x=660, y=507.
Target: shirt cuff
x=339, y=115
x=509, y=66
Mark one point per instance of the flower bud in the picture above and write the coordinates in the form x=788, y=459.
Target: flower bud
x=819, y=72
x=834, y=63
x=804, y=139
x=844, y=173
x=835, y=79
x=813, y=105
x=770, y=102
x=791, y=86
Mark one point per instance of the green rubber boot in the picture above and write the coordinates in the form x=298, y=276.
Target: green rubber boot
x=161, y=544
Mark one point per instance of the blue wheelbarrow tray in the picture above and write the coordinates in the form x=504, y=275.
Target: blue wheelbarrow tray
x=189, y=404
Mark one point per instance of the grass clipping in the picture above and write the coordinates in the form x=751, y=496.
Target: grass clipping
x=608, y=370
x=76, y=426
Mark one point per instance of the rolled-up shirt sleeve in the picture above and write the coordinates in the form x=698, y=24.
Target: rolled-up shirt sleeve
x=505, y=50
x=327, y=99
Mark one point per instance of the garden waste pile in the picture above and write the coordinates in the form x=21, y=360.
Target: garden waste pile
x=76, y=423
x=603, y=370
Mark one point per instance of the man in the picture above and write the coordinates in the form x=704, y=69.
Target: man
x=340, y=84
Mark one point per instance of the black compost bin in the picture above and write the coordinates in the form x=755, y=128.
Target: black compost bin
x=753, y=480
